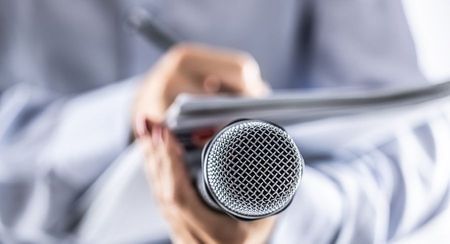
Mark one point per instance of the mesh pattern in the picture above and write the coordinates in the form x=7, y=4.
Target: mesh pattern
x=253, y=168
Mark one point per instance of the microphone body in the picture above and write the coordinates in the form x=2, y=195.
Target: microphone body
x=250, y=169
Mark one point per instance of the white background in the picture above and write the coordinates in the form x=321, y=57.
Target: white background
x=430, y=25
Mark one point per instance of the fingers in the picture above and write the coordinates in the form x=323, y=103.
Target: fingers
x=152, y=140
x=212, y=84
x=196, y=69
x=180, y=233
x=164, y=166
x=189, y=218
x=174, y=190
x=237, y=71
x=182, y=197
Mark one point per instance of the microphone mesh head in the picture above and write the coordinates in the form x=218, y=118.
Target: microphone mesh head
x=253, y=169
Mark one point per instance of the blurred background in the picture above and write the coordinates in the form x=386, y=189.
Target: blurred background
x=429, y=22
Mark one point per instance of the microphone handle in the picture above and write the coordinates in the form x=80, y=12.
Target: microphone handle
x=194, y=165
x=204, y=193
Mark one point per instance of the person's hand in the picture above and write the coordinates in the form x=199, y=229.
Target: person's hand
x=190, y=220
x=197, y=69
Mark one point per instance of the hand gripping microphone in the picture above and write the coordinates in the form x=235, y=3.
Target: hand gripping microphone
x=250, y=170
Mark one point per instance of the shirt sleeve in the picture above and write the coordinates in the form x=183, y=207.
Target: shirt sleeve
x=52, y=148
x=359, y=44
x=387, y=189
x=378, y=193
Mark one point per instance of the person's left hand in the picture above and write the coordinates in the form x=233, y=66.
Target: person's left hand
x=190, y=220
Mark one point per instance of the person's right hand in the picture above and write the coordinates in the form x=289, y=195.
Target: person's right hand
x=196, y=69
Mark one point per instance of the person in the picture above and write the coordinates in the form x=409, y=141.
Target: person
x=75, y=86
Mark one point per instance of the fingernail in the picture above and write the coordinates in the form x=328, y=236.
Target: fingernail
x=164, y=134
x=141, y=126
x=156, y=134
x=200, y=137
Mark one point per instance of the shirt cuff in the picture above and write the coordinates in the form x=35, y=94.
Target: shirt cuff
x=91, y=131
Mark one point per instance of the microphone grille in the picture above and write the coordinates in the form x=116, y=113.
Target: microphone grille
x=253, y=169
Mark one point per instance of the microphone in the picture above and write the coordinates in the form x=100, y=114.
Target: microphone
x=251, y=169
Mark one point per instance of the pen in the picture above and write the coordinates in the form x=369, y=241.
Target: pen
x=151, y=29
x=157, y=34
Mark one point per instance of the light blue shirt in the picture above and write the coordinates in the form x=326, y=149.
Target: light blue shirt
x=68, y=77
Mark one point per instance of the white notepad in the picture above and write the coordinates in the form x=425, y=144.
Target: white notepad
x=286, y=108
